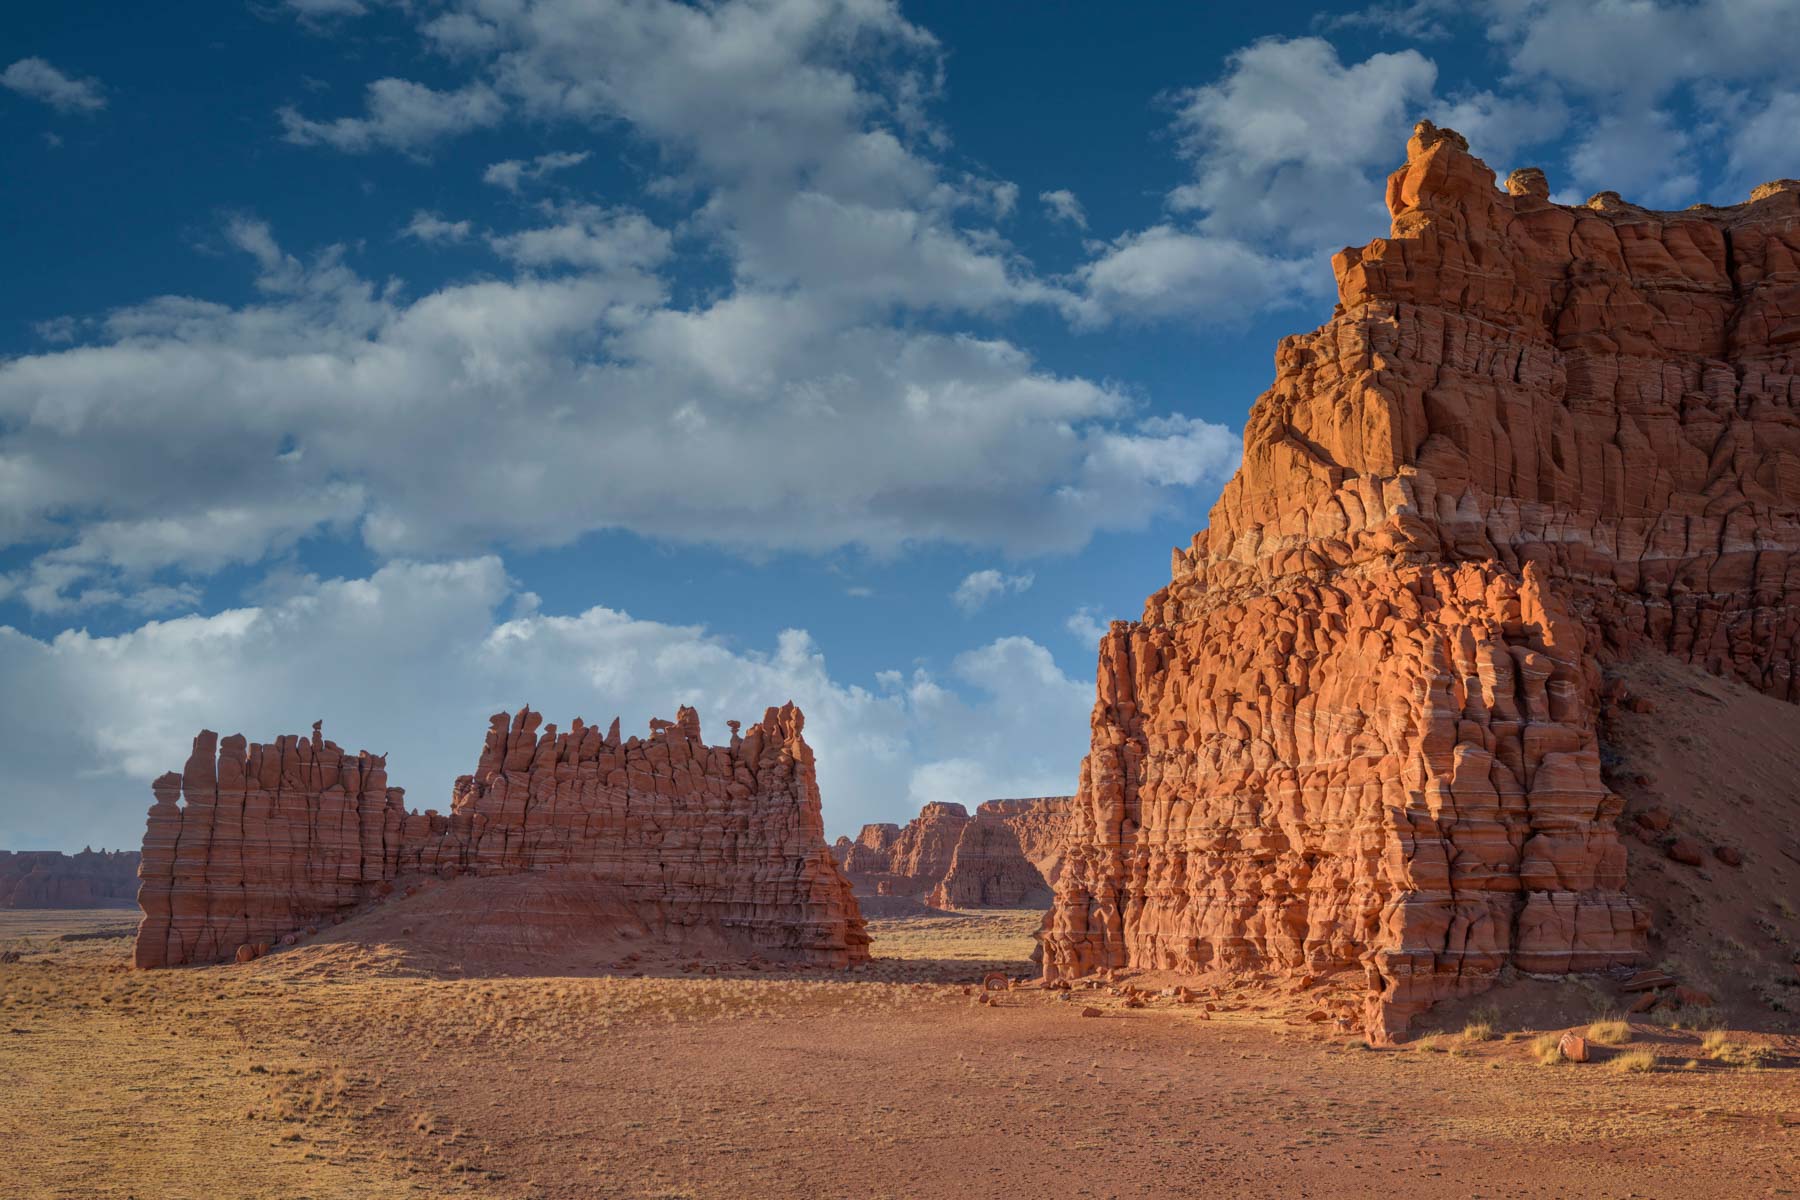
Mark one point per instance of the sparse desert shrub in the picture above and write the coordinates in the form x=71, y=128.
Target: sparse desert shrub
x=1478, y=1031
x=1632, y=1061
x=1699, y=1019
x=1727, y=951
x=1545, y=1048
x=1719, y=1047
x=1609, y=1032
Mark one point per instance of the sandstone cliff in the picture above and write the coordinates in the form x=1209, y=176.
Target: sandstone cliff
x=1037, y=822
x=52, y=879
x=1358, y=729
x=721, y=847
x=906, y=861
x=1005, y=856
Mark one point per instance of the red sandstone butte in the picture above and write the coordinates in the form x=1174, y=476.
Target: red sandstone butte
x=52, y=879
x=1005, y=856
x=717, y=845
x=1358, y=728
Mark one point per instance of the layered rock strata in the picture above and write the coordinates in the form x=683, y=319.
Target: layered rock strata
x=1037, y=823
x=906, y=861
x=1357, y=730
x=1004, y=856
x=718, y=846
x=250, y=841
x=988, y=869
x=52, y=879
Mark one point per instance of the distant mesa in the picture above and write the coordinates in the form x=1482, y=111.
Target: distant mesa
x=52, y=879
x=1005, y=856
x=1360, y=729
x=560, y=844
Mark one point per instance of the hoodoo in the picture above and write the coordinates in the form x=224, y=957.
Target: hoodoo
x=1359, y=728
x=719, y=847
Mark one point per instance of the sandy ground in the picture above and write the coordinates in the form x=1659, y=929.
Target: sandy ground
x=341, y=1074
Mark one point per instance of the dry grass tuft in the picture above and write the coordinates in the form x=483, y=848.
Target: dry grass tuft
x=1632, y=1061
x=1719, y=1047
x=1546, y=1049
x=1609, y=1032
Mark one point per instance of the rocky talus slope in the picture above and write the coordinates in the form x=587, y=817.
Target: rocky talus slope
x=52, y=879
x=1712, y=814
x=716, y=848
x=1359, y=729
x=1006, y=855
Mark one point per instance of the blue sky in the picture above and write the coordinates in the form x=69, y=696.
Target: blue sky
x=392, y=363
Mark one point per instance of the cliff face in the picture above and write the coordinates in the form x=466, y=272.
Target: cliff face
x=720, y=845
x=1037, y=823
x=52, y=879
x=1002, y=857
x=249, y=842
x=988, y=869
x=1358, y=729
x=907, y=861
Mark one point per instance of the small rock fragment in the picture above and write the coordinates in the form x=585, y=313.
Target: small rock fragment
x=1686, y=850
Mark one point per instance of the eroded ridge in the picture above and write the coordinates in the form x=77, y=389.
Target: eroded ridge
x=721, y=847
x=1358, y=729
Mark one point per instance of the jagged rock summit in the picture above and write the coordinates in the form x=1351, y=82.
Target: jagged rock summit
x=575, y=836
x=1358, y=730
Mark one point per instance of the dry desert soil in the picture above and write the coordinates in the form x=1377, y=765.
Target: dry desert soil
x=339, y=1070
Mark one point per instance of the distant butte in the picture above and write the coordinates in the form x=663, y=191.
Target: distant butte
x=1359, y=730
x=52, y=879
x=1005, y=856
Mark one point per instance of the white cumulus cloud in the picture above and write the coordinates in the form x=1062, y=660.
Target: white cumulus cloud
x=979, y=587
x=412, y=659
x=399, y=115
x=37, y=79
x=430, y=227
x=513, y=172
x=1086, y=626
x=1063, y=205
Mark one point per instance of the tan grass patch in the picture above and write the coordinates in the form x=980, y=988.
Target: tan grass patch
x=1632, y=1061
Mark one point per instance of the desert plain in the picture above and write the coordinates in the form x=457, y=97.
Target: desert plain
x=336, y=1070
